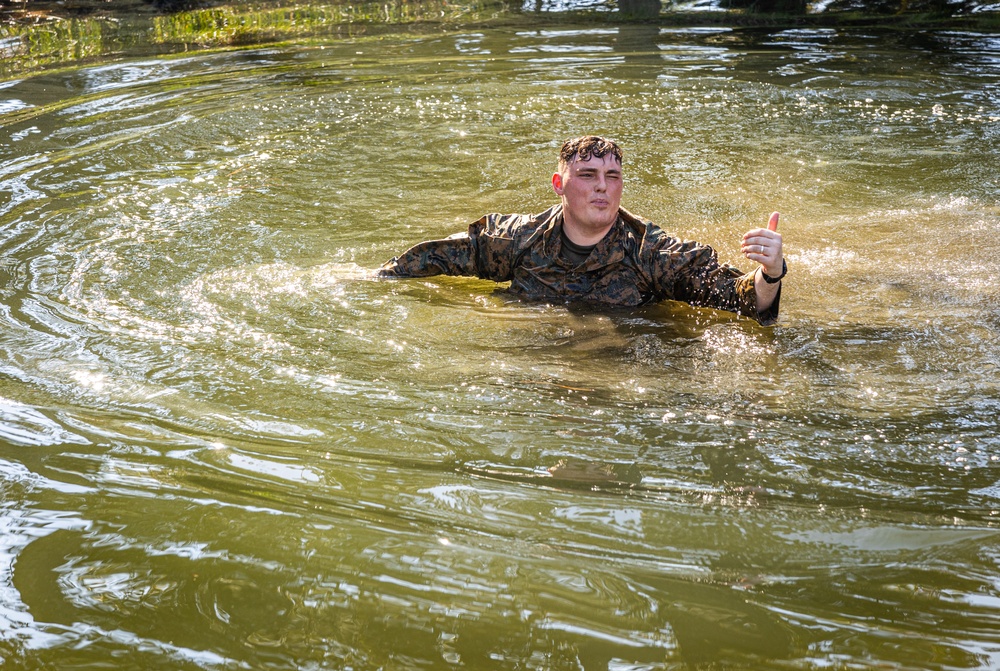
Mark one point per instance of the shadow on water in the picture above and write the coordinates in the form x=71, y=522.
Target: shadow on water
x=230, y=601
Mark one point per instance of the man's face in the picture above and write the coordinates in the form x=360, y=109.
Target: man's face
x=591, y=192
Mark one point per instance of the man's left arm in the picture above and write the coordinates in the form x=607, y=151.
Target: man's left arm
x=763, y=245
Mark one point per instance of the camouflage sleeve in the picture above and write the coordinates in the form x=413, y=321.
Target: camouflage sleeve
x=487, y=250
x=451, y=256
x=691, y=272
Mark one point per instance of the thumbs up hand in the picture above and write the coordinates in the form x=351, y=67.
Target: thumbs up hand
x=763, y=245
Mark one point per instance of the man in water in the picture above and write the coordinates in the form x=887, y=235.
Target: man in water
x=589, y=248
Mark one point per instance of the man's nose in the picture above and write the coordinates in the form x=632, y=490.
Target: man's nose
x=602, y=183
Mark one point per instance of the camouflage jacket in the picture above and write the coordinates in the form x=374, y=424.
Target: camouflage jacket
x=634, y=264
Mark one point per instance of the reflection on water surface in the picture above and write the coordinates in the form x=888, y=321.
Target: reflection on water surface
x=222, y=445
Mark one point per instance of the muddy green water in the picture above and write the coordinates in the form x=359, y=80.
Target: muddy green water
x=222, y=446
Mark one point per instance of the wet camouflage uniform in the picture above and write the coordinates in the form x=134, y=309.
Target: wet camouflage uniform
x=635, y=263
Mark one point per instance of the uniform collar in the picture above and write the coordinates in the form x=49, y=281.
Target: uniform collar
x=609, y=249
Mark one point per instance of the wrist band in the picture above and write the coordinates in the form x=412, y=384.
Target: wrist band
x=775, y=280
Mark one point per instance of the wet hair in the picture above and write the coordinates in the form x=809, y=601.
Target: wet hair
x=586, y=147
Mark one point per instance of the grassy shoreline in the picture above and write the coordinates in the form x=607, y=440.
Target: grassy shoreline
x=39, y=35
x=34, y=12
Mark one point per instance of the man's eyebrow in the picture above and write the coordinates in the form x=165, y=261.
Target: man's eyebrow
x=592, y=170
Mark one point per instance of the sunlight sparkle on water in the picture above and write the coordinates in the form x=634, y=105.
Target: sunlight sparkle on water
x=271, y=446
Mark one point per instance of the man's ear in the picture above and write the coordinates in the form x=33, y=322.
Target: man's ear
x=557, y=184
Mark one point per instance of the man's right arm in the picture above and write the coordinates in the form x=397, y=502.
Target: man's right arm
x=488, y=251
x=451, y=256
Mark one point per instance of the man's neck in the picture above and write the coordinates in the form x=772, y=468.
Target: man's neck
x=585, y=236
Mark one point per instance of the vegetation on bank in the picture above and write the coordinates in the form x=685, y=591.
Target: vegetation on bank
x=36, y=34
